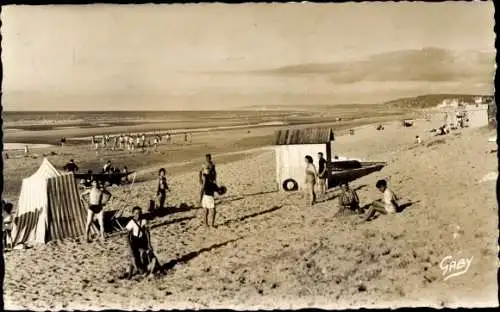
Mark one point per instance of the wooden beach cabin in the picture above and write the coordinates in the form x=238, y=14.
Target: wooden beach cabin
x=477, y=114
x=292, y=145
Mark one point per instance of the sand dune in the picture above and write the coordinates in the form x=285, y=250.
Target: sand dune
x=270, y=250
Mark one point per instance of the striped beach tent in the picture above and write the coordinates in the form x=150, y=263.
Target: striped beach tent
x=49, y=208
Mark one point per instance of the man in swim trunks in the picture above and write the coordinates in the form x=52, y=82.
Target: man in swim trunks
x=95, y=207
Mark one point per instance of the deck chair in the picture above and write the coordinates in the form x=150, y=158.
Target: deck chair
x=115, y=219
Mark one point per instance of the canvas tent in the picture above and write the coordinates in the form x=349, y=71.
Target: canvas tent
x=49, y=208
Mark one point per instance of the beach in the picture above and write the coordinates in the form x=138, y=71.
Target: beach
x=269, y=250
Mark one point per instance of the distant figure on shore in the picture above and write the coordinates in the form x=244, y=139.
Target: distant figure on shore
x=155, y=143
x=418, y=140
x=96, y=204
x=142, y=257
x=71, y=166
x=26, y=150
x=322, y=174
x=125, y=174
x=161, y=193
x=209, y=188
x=387, y=205
x=311, y=176
x=108, y=168
x=348, y=200
x=185, y=137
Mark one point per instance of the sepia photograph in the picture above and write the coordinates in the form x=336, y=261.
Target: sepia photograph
x=249, y=156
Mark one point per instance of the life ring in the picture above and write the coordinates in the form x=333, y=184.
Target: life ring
x=290, y=185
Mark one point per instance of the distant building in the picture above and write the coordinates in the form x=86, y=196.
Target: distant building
x=477, y=114
x=291, y=147
x=474, y=115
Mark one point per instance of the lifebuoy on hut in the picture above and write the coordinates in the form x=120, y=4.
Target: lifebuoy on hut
x=291, y=147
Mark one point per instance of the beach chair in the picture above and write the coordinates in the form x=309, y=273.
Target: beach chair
x=115, y=219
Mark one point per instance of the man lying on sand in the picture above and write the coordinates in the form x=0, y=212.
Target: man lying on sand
x=95, y=207
x=387, y=205
x=142, y=257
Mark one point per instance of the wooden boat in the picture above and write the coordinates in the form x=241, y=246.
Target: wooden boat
x=111, y=178
x=350, y=170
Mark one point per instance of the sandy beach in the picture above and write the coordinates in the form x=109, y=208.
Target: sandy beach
x=269, y=250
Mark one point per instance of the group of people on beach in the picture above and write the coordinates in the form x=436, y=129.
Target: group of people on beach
x=129, y=142
x=349, y=202
x=142, y=256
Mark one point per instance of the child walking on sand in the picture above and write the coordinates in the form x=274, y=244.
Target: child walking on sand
x=161, y=193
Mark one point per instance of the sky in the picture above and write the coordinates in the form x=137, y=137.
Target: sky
x=167, y=56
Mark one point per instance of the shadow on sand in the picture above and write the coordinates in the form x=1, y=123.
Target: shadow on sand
x=253, y=215
x=329, y=196
x=403, y=207
x=110, y=225
x=243, y=196
x=190, y=256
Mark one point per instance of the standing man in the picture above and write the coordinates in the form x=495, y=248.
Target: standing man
x=208, y=190
x=322, y=176
x=209, y=167
x=95, y=207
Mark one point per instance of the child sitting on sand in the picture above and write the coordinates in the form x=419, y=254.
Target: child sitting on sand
x=387, y=205
x=141, y=252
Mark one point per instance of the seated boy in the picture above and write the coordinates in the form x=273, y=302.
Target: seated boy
x=387, y=205
x=141, y=252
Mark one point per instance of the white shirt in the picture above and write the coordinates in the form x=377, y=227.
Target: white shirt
x=132, y=227
x=389, y=199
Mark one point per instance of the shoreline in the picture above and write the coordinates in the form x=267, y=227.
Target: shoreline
x=74, y=135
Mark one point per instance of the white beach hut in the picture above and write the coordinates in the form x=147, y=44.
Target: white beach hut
x=291, y=147
x=477, y=114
